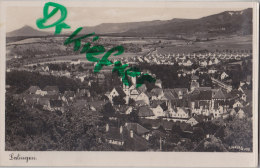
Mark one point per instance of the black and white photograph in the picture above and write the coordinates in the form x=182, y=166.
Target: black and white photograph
x=154, y=79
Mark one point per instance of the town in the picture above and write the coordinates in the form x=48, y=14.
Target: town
x=194, y=103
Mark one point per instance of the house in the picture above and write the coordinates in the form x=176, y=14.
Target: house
x=142, y=88
x=238, y=103
x=182, y=113
x=83, y=93
x=129, y=110
x=134, y=93
x=194, y=85
x=137, y=129
x=181, y=92
x=241, y=114
x=158, y=112
x=69, y=95
x=170, y=95
x=56, y=105
x=192, y=121
x=51, y=90
x=216, y=61
x=223, y=76
x=158, y=83
x=117, y=91
x=143, y=97
x=45, y=68
x=125, y=138
x=45, y=102
x=81, y=77
x=145, y=112
x=31, y=99
x=212, y=71
x=33, y=89
x=114, y=135
x=187, y=63
x=157, y=93
x=232, y=112
x=203, y=63
x=41, y=92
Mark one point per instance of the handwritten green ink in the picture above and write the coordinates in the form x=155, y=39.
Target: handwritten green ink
x=46, y=15
x=144, y=77
x=92, y=51
x=77, y=41
x=104, y=61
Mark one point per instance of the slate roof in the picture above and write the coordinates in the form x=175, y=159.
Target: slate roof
x=120, y=91
x=137, y=128
x=114, y=134
x=170, y=94
x=142, y=88
x=202, y=95
x=155, y=103
x=44, y=101
x=33, y=89
x=145, y=111
x=156, y=91
x=218, y=94
x=182, y=90
x=136, y=143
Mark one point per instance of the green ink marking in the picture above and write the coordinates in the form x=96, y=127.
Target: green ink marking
x=144, y=77
x=77, y=41
x=95, y=50
x=104, y=61
x=46, y=15
x=92, y=51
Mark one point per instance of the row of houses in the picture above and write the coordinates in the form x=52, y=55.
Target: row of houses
x=180, y=104
x=50, y=98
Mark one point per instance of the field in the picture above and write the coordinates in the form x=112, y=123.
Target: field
x=52, y=49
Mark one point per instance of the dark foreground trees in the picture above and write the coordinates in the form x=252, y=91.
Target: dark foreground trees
x=30, y=129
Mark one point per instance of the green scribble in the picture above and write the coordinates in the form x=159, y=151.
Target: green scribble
x=144, y=77
x=46, y=15
x=119, y=68
x=95, y=50
x=95, y=38
x=77, y=41
x=85, y=48
x=104, y=61
x=92, y=51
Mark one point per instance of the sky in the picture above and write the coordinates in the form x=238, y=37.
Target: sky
x=17, y=17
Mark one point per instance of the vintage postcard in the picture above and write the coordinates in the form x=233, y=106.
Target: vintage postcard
x=129, y=83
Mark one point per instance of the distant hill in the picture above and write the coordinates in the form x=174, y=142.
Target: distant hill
x=27, y=31
x=225, y=23
x=108, y=28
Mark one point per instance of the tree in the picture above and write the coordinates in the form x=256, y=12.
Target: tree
x=198, y=134
x=119, y=100
x=238, y=132
x=108, y=110
x=133, y=116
